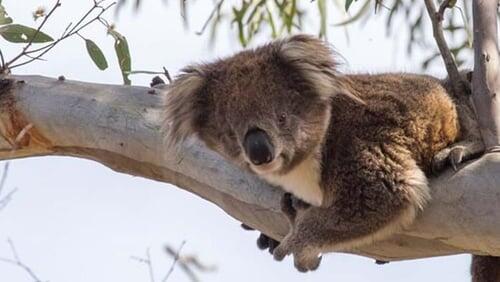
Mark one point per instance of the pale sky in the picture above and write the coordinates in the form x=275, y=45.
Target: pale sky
x=76, y=220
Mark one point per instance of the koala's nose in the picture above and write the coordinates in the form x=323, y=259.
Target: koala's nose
x=258, y=147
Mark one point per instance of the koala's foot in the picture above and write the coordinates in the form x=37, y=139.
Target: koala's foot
x=305, y=258
x=456, y=154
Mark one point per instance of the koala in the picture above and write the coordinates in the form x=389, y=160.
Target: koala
x=352, y=151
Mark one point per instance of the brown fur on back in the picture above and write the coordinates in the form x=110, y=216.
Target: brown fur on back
x=412, y=111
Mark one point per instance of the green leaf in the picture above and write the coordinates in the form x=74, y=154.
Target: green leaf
x=123, y=55
x=322, y=18
x=348, y=4
x=4, y=18
x=17, y=33
x=96, y=54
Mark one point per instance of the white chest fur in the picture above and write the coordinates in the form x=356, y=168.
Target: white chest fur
x=303, y=181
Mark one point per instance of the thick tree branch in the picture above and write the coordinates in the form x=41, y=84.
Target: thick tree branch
x=486, y=76
x=118, y=126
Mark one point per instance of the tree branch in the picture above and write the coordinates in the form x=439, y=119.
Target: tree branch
x=437, y=30
x=118, y=126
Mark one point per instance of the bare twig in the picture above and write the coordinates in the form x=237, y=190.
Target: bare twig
x=6, y=200
x=2, y=61
x=176, y=258
x=167, y=74
x=17, y=262
x=4, y=176
x=448, y=59
x=189, y=263
x=212, y=14
x=440, y=13
x=148, y=262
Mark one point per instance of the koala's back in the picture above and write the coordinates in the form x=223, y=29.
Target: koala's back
x=405, y=110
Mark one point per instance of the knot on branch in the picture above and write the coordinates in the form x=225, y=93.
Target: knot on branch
x=14, y=127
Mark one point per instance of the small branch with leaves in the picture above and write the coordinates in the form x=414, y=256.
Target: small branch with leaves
x=16, y=33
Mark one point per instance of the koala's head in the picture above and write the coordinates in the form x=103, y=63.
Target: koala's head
x=266, y=109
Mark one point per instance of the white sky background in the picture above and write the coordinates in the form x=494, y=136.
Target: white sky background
x=76, y=220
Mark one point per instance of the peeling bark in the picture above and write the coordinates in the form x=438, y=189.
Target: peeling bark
x=119, y=127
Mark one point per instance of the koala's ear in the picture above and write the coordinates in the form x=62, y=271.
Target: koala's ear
x=183, y=105
x=313, y=58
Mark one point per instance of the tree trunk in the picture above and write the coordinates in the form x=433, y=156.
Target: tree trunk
x=119, y=126
x=486, y=75
x=485, y=94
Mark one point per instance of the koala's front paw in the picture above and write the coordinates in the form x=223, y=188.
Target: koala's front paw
x=263, y=242
x=455, y=155
x=304, y=258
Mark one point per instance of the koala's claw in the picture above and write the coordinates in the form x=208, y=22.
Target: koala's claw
x=449, y=156
x=265, y=242
x=455, y=155
x=280, y=252
x=306, y=264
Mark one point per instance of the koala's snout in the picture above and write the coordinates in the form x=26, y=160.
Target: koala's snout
x=258, y=147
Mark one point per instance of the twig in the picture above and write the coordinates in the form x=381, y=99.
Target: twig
x=448, y=59
x=2, y=61
x=188, y=262
x=147, y=261
x=167, y=74
x=30, y=41
x=17, y=261
x=445, y=4
x=4, y=176
x=212, y=14
x=68, y=32
x=6, y=200
x=176, y=258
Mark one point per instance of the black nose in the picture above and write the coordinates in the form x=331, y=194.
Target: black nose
x=258, y=147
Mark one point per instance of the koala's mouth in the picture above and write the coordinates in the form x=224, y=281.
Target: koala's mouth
x=272, y=167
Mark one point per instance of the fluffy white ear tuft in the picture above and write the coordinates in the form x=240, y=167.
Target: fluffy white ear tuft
x=182, y=106
x=313, y=58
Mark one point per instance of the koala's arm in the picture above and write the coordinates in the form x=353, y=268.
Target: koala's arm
x=369, y=206
x=469, y=145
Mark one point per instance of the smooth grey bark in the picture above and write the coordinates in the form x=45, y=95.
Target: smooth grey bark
x=119, y=127
x=486, y=75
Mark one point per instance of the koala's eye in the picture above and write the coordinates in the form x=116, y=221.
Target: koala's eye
x=282, y=119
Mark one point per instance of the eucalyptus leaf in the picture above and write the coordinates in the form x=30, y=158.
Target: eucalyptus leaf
x=123, y=55
x=348, y=4
x=96, y=54
x=17, y=33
